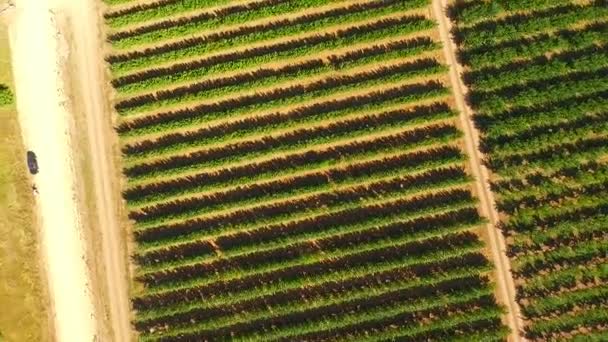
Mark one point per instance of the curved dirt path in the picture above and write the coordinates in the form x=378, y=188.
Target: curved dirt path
x=505, y=283
x=39, y=57
x=87, y=43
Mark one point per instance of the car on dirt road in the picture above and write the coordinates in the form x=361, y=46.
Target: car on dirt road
x=32, y=162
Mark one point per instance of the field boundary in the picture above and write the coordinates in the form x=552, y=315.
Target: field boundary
x=505, y=282
x=87, y=39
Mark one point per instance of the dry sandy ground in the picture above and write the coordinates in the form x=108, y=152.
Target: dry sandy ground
x=89, y=85
x=505, y=284
x=39, y=54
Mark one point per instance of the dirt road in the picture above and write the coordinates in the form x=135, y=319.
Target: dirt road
x=39, y=56
x=87, y=55
x=505, y=283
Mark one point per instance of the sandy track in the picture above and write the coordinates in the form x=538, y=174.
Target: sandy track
x=505, y=283
x=90, y=84
x=39, y=54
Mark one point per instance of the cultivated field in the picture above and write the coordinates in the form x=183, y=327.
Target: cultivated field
x=294, y=172
x=538, y=77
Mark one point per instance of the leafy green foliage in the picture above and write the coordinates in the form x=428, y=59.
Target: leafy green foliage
x=538, y=80
x=6, y=95
x=294, y=172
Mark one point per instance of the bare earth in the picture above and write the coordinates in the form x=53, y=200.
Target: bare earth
x=90, y=84
x=42, y=49
x=39, y=54
x=505, y=284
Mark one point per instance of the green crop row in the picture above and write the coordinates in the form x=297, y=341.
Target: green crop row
x=258, y=36
x=385, y=312
x=274, y=56
x=568, y=322
x=543, y=192
x=271, y=104
x=402, y=71
x=231, y=300
x=332, y=300
x=146, y=125
x=271, y=173
x=552, y=19
x=118, y=2
x=297, y=239
x=185, y=214
x=566, y=109
x=299, y=217
x=162, y=10
x=322, y=192
x=586, y=60
x=500, y=53
x=565, y=231
x=197, y=27
x=364, y=291
x=471, y=11
x=306, y=258
x=551, y=157
x=584, y=251
x=219, y=163
x=167, y=167
x=349, y=275
x=293, y=172
x=456, y=328
x=531, y=218
x=190, y=140
x=413, y=169
x=566, y=301
x=567, y=277
x=537, y=79
x=551, y=89
x=390, y=261
x=594, y=335
x=269, y=265
x=315, y=142
x=524, y=143
x=262, y=82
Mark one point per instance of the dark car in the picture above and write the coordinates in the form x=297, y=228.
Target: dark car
x=32, y=162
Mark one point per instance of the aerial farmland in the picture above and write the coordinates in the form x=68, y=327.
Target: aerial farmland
x=537, y=73
x=297, y=164
x=318, y=170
